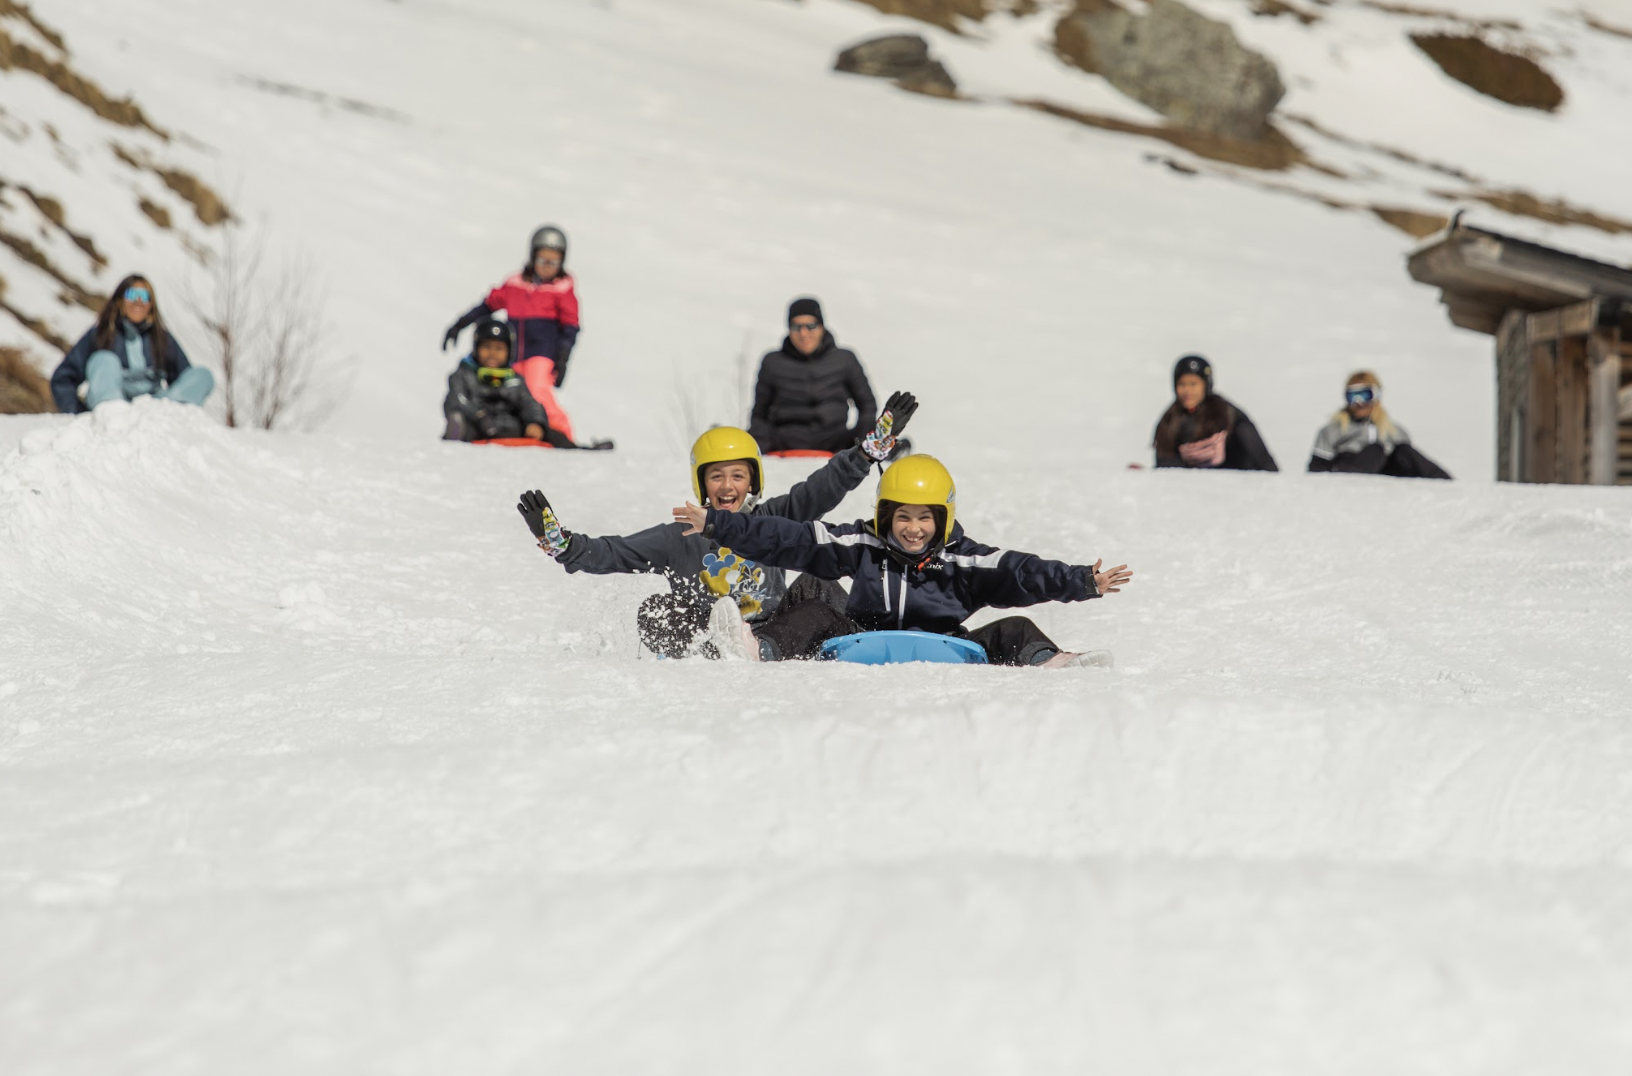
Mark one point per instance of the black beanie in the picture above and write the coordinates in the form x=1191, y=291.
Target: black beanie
x=1194, y=364
x=806, y=307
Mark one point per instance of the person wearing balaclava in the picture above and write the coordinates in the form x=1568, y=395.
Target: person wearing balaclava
x=806, y=387
x=1202, y=429
x=1362, y=439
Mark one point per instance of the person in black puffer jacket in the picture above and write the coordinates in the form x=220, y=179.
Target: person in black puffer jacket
x=1204, y=430
x=487, y=399
x=805, y=389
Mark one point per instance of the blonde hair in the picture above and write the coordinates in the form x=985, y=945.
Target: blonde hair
x=1379, y=417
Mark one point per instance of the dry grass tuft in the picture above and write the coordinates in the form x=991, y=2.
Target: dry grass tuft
x=208, y=206
x=15, y=55
x=52, y=210
x=33, y=255
x=1411, y=221
x=1273, y=153
x=21, y=11
x=1277, y=8
x=1553, y=211
x=1604, y=27
x=947, y=13
x=23, y=389
x=1506, y=76
x=155, y=213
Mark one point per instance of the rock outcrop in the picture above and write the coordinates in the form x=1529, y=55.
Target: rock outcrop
x=903, y=58
x=1188, y=67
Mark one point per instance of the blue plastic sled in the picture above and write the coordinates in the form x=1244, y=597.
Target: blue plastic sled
x=892, y=647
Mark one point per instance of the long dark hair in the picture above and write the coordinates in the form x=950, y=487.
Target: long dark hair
x=1212, y=415
x=107, y=322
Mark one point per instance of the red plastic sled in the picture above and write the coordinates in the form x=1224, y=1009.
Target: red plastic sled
x=514, y=442
x=802, y=453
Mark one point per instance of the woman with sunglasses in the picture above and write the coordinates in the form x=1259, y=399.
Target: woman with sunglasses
x=806, y=387
x=542, y=304
x=126, y=354
x=1362, y=439
x=1202, y=429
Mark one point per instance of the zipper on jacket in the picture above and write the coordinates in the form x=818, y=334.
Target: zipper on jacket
x=901, y=610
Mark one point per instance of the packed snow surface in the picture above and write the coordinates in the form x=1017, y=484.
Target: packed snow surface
x=311, y=762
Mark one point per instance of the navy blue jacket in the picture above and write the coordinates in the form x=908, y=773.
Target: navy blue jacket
x=891, y=589
x=70, y=373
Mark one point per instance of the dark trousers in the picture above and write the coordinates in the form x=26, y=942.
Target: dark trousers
x=1404, y=462
x=798, y=631
x=669, y=623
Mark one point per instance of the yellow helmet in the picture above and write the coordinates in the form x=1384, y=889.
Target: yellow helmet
x=721, y=445
x=916, y=480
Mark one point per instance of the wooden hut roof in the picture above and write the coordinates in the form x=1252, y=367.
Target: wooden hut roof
x=1481, y=275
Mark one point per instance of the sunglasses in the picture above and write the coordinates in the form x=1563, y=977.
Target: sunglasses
x=138, y=295
x=1359, y=396
x=553, y=263
x=804, y=326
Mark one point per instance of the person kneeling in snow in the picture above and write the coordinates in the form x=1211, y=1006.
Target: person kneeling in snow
x=726, y=475
x=1362, y=439
x=911, y=567
x=1203, y=429
x=487, y=399
x=126, y=354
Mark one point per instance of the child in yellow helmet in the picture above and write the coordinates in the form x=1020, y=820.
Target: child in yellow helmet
x=911, y=567
x=726, y=475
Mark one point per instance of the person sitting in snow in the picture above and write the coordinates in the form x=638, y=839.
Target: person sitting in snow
x=1362, y=439
x=805, y=389
x=726, y=475
x=488, y=399
x=911, y=568
x=128, y=353
x=1202, y=429
x=542, y=304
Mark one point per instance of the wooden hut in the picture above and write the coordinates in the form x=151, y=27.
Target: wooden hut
x=1563, y=329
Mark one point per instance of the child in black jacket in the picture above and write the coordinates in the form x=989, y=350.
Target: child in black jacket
x=911, y=567
x=487, y=399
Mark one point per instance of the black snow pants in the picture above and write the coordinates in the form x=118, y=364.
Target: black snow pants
x=798, y=631
x=1404, y=462
x=669, y=623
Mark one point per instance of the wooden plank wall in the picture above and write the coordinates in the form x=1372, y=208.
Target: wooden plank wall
x=1512, y=396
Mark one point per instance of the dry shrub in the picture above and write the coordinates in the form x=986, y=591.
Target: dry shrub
x=1273, y=153
x=266, y=333
x=1410, y=221
x=1506, y=76
x=23, y=389
x=15, y=55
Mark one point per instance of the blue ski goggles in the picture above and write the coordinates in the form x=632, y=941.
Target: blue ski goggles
x=1361, y=394
x=138, y=295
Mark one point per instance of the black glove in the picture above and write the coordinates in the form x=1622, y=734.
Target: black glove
x=540, y=519
x=897, y=410
x=451, y=337
x=561, y=365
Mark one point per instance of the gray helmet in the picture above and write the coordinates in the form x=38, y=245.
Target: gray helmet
x=548, y=237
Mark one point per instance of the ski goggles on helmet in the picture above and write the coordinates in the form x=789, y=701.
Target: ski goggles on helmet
x=138, y=295
x=1359, y=394
x=495, y=375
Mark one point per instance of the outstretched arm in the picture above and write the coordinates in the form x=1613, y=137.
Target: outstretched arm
x=820, y=493
x=1008, y=579
x=829, y=552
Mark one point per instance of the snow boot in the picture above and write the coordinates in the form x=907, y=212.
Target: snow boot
x=730, y=634
x=1088, y=659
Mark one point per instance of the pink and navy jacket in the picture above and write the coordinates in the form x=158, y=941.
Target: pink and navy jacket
x=545, y=314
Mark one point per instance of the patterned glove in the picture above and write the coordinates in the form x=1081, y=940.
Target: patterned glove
x=540, y=518
x=897, y=410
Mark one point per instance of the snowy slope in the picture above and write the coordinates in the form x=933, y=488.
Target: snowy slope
x=310, y=762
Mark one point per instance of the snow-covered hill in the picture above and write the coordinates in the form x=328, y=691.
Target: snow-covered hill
x=309, y=761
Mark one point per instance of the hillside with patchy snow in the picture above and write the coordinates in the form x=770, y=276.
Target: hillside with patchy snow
x=311, y=762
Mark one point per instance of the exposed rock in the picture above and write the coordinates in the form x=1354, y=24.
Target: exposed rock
x=1188, y=67
x=1517, y=80
x=902, y=57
